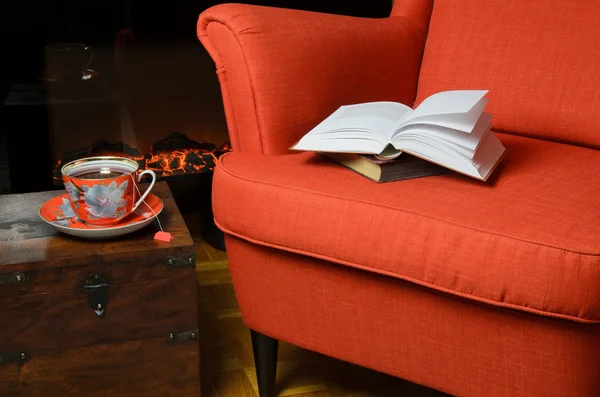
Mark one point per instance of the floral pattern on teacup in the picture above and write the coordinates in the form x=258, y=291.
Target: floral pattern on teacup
x=65, y=216
x=66, y=209
x=106, y=201
x=72, y=191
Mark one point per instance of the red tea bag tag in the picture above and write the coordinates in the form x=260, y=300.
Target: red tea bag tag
x=163, y=236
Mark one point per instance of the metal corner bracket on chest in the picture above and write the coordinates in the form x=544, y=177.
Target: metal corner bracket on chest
x=183, y=261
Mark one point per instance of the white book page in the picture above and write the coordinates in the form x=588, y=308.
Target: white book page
x=480, y=167
x=444, y=145
x=440, y=146
x=488, y=154
x=469, y=141
x=379, y=117
x=348, y=142
x=458, y=121
x=435, y=155
x=359, y=128
x=448, y=102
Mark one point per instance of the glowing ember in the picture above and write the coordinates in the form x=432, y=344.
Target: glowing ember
x=172, y=156
x=181, y=162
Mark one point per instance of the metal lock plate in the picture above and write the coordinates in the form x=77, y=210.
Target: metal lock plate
x=12, y=278
x=96, y=288
x=13, y=358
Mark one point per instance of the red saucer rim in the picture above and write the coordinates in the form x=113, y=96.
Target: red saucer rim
x=155, y=214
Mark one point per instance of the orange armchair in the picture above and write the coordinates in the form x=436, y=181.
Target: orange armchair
x=474, y=289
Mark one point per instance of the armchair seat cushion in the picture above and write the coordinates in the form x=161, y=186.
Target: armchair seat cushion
x=528, y=239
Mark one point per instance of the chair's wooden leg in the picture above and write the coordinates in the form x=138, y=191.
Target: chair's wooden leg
x=265, y=360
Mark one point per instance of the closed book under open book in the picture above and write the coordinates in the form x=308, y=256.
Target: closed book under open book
x=379, y=170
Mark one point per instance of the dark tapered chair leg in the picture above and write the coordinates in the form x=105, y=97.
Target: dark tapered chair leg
x=265, y=360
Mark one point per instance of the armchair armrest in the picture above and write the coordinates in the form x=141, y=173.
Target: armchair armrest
x=282, y=70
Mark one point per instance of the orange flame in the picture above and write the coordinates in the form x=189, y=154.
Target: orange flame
x=181, y=162
x=176, y=162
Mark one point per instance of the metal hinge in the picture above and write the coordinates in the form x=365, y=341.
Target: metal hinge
x=13, y=358
x=183, y=336
x=96, y=289
x=173, y=261
x=12, y=278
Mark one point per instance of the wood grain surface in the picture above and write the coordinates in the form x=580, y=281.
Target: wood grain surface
x=69, y=349
x=63, y=319
x=148, y=368
x=27, y=242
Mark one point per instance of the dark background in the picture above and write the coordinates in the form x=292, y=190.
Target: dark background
x=163, y=78
x=157, y=80
x=29, y=25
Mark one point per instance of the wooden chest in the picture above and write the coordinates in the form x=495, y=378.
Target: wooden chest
x=96, y=318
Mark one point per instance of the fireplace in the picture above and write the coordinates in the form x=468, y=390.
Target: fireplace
x=172, y=158
x=186, y=164
x=169, y=118
x=46, y=125
x=161, y=107
x=149, y=76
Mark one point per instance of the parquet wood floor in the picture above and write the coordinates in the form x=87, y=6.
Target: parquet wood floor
x=227, y=367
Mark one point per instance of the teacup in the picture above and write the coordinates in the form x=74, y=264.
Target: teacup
x=103, y=190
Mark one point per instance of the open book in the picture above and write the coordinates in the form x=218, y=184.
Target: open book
x=448, y=128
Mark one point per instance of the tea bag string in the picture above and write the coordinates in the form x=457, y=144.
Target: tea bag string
x=147, y=205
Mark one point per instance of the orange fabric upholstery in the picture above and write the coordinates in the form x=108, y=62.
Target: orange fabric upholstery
x=416, y=11
x=539, y=59
x=476, y=289
x=518, y=241
x=424, y=336
x=273, y=63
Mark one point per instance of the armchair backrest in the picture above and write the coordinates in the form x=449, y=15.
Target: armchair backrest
x=539, y=59
x=418, y=11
